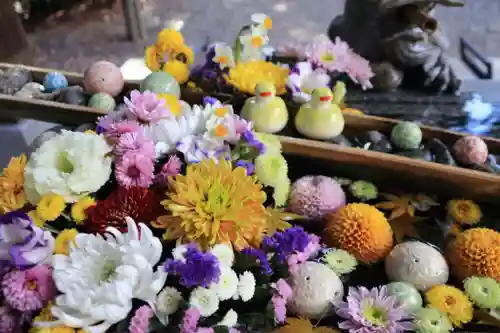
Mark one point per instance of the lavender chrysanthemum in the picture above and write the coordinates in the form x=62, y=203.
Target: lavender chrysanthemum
x=197, y=268
x=372, y=311
x=287, y=242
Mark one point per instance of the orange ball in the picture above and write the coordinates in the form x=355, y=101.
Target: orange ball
x=475, y=252
x=361, y=230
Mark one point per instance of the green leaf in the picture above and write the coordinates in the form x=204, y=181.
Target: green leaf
x=238, y=47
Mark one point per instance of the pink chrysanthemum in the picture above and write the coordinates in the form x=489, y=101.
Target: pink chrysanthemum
x=29, y=290
x=135, y=143
x=134, y=170
x=171, y=168
x=359, y=70
x=115, y=130
x=146, y=107
x=372, y=311
x=282, y=293
x=8, y=320
x=140, y=321
x=190, y=320
x=332, y=57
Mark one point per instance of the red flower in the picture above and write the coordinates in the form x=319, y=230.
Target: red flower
x=141, y=204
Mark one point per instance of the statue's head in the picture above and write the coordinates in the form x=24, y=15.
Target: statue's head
x=394, y=4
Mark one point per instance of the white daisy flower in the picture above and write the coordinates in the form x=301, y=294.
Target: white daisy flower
x=262, y=19
x=230, y=319
x=205, y=300
x=246, y=286
x=227, y=286
x=224, y=254
x=224, y=56
x=167, y=303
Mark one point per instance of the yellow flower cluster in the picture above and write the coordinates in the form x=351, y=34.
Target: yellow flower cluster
x=12, y=185
x=246, y=75
x=52, y=205
x=170, y=54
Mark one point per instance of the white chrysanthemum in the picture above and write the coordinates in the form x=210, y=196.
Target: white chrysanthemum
x=230, y=319
x=224, y=254
x=227, y=286
x=70, y=164
x=246, y=286
x=179, y=251
x=167, y=303
x=101, y=275
x=205, y=300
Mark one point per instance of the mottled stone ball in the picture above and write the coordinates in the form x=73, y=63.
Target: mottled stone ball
x=161, y=83
x=316, y=290
x=406, y=295
x=105, y=77
x=417, y=263
x=102, y=101
x=406, y=135
x=316, y=196
x=470, y=150
x=53, y=81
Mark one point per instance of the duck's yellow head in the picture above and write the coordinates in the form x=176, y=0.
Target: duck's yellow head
x=265, y=89
x=323, y=94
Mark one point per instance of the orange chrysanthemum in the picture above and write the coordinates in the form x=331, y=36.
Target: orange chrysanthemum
x=12, y=185
x=360, y=229
x=475, y=252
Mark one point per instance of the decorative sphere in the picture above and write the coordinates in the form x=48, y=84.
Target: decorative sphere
x=316, y=196
x=470, y=150
x=316, y=289
x=418, y=264
x=406, y=135
x=161, y=83
x=102, y=101
x=105, y=77
x=406, y=295
x=53, y=81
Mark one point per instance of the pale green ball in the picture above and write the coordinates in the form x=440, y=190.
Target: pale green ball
x=406, y=135
x=102, y=101
x=161, y=83
x=406, y=295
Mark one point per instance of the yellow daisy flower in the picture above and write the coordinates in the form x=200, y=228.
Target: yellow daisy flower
x=464, y=211
x=79, y=209
x=50, y=207
x=63, y=240
x=452, y=302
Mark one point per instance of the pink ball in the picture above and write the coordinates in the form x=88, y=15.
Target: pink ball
x=316, y=196
x=103, y=77
x=470, y=150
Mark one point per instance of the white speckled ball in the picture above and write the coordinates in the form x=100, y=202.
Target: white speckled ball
x=417, y=263
x=315, y=288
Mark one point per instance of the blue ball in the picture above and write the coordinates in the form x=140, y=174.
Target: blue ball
x=54, y=81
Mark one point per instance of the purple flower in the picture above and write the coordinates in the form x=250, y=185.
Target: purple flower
x=260, y=257
x=287, y=242
x=209, y=100
x=372, y=311
x=249, y=167
x=197, y=268
x=22, y=243
x=249, y=137
x=146, y=107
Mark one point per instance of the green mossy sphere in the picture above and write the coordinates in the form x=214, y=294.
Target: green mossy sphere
x=161, y=83
x=102, y=101
x=406, y=135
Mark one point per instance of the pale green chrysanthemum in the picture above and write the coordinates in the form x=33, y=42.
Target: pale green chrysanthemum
x=340, y=261
x=483, y=291
x=431, y=320
x=281, y=192
x=363, y=190
x=270, y=141
x=271, y=169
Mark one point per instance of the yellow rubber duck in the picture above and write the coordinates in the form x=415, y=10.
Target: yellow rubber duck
x=267, y=111
x=320, y=119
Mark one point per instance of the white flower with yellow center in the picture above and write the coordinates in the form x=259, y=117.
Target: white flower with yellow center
x=167, y=303
x=263, y=20
x=227, y=286
x=230, y=319
x=246, y=286
x=70, y=164
x=253, y=43
x=224, y=254
x=100, y=276
x=205, y=300
x=224, y=56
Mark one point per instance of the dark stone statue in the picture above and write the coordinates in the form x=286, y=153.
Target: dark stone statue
x=402, y=40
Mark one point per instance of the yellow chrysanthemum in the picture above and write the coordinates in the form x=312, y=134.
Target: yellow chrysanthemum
x=36, y=219
x=63, y=241
x=79, y=209
x=50, y=207
x=452, y=302
x=12, y=185
x=271, y=142
x=46, y=316
x=299, y=325
x=178, y=69
x=246, y=75
x=464, y=211
x=172, y=102
x=153, y=58
x=270, y=168
x=214, y=203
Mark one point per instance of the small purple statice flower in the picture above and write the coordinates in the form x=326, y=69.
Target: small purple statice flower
x=197, y=269
x=249, y=167
x=372, y=311
x=260, y=257
x=249, y=137
x=209, y=100
x=287, y=242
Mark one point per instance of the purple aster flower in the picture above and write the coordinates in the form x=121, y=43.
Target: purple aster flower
x=260, y=257
x=249, y=167
x=287, y=242
x=197, y=268
x=22, y=243
x=372, y=311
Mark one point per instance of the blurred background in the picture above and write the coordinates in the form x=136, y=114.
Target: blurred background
x=71, y=34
